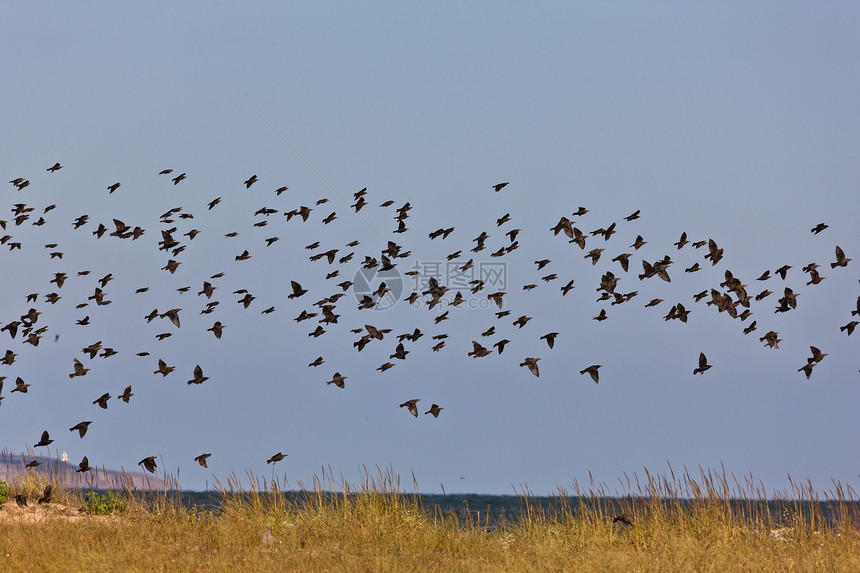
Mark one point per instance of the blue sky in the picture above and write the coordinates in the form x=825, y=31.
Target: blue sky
x=735, y=122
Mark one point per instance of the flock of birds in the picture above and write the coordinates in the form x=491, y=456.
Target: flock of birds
x=730, y=296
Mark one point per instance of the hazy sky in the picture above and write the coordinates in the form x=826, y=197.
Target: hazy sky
x=735, y=122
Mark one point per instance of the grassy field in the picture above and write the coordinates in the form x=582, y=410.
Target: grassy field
x=707, y=523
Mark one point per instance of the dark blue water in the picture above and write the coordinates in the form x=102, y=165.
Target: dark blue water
x=498, y=509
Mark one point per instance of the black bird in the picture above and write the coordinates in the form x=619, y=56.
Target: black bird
x=841, y=261
x=199, y=378
x=125, y=396
x=532, y=365
x=46, y=496
x=817, y=355
x=623, y=521
x=216, y=329
x=148, y=464
x=81, y=427
x=499, y=186
x=703, y=364
x=478, y=351
x=44, y=441
x=276, y=458
x=592, y=370
x=434, y=409
x=550, y=338
x=102, y=400
x=567, y=288
x=412, y=406
x=297, y=290
x=807, y=369
x=84, y=466
x=20, y=386
x=201, y=459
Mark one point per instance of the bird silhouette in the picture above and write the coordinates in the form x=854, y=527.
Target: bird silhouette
x=703, y=364
x=81, y=428
x=148, y=464
x=102, y=401
x=44, y=441
x=478, y=351
x=199, y=378
x=592, y=370
x=126, y=395
x=531, y=363
x=84, y=466
x=47, y=493
x=434, y=409
x=163, y=368
x=297, y=290
x=841, y=261
x=412, y=406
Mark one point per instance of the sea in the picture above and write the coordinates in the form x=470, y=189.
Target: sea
x=496, y=510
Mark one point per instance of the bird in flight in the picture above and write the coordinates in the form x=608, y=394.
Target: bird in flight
x=412, y=406
x=592, y=370
x=337, y=380
x=148, y=464
x=532, y=365
x=434, y=409
x=44, y=441
x=81, y=427
x=703, y=364
x=199, y=378
x=84, y=466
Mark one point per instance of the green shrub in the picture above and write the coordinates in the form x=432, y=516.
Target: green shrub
x=4, y=490
x=110, y=502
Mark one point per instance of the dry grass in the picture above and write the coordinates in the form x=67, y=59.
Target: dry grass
x=708, y=523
